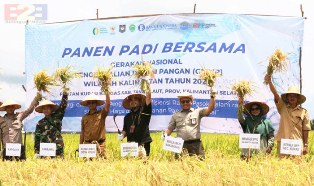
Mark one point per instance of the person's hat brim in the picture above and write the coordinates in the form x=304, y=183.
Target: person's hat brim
x=52, y=105
x=263, y=106
x=92, y=97
x=293, y=90
x=128, y=99
x=185, y=95
x=9, y=103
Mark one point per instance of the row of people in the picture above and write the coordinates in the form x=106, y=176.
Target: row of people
x=294, y=122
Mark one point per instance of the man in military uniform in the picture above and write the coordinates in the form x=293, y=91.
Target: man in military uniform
x=48, y=129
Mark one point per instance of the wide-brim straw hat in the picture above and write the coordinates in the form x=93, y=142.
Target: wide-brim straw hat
x=293, y=90
x=185, y=95
x=9, y=102
x=46, y=102
x=92, y=97
x=128, y=99
x=263, y=106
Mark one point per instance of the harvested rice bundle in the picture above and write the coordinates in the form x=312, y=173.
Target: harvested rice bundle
x=143, y=71
x=276, y=63
x=209, y=76
x=242, y=88
x=63, y=76
x=42, y=81
x=104, y=77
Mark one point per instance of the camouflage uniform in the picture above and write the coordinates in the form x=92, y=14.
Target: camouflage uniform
x=48, y=130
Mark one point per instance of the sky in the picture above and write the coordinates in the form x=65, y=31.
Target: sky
x=12, y=39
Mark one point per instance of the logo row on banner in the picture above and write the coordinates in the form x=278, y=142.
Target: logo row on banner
x=173, y=144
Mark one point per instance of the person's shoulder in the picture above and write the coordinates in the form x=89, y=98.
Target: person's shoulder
x=267, y=121
x=177, y=112
x=41, y=121
x=302, y=108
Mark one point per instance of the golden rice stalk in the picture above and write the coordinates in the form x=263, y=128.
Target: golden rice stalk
x=242, y=88
x=276, y=63
x=209, y=76
x=104, y=77
x=64, y=75
x=144, y=70
x=42, y=81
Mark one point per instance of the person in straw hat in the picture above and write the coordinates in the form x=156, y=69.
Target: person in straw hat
x=187, y=123
x=294, y=119
x=136, y=122
x=11, y=124
x=48, y=129
x=93, y=123
x=256, y=123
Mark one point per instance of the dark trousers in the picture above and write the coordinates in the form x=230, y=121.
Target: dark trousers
x=192, y=148
x=147, y=148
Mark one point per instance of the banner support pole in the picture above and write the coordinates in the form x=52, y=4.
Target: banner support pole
x=300, y=54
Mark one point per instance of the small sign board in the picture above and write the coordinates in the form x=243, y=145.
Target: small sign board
x=129, y=149
x=173, y=144
x=292, y=147
x=251, y=141
x=47, y=149
x=13, y=149
x=87, y=150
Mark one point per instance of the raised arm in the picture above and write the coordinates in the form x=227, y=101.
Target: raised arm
x=212, y=102
x=106, y=108
x=272, y=87
x=240, y=111
x=148, y=94
x=31, y=107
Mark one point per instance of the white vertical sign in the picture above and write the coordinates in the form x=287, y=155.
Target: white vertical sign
x=47, y=149
x=173, y=144
x=251, y=141
x=87, y=150
x=13, y=149
x=289, y=146
x=129, y=149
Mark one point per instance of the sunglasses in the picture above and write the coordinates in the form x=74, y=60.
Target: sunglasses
x=185, y=101
x=91, y=102
x=256, y=108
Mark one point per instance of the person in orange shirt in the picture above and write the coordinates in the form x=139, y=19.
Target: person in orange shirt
x=294, y=119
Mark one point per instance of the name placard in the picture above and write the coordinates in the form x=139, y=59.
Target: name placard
x=129, y=149
x=47, y=149
x=173, y=144
x=289, y=146
x=251, y=141
x=87, y=150
x=13, y=149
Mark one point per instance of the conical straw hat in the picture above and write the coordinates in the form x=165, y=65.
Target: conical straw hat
x=92, y=97
x=46, y=102
x=9, y=102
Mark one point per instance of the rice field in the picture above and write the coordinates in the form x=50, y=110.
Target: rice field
x=222, y=166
